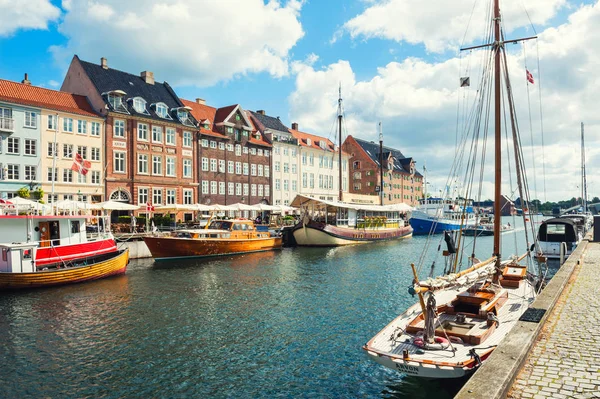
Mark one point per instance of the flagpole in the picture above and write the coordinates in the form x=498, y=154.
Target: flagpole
x=54, y=162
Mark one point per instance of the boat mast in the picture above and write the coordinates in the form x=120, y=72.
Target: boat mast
x=340, y=195
x=381, y=193
x=583, y=182
x=497, y=135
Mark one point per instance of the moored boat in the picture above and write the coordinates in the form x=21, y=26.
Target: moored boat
x=436, y=215
x=552, y=233
x=220, y=237
x=49, y=250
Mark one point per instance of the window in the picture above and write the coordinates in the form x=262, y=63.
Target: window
x=245, y=169
x=204, y=186
x=266, y=171
x=229, y=147
x=260, y=190
x=213, y=144
x=157, y=194
x=12, y=145
x=119, y=128
x=277, y=166
x=119, y=161
x=30, y=172
x=304, y=159
x=294, y=185
x=95, y=154
x=82, y=150
x=286, y=167
x=259, y=152
x=157, y=165
x=245, y=150
x=95, y=131
x=238, y=168
x=52, y=122
x=143, y=164
x=68, y=125
x=52, y=198
x=238, y=150
x=253, y=151
x=142, y=132
x=277, y=184
x=286, y=185
x=331, y=182
x=285, y=151
x=276, y=150
x=187, y=139
x=304, y=180
x=293, y=168
x=157, y=134
x=67, y=176
x=170, y=197
x=183, y=116
x=238, y=188
x=170, y=166
x=204, y=143
x=221, y=166
x=230, y=188
x=221, y=188
x=246, y=189
x=170, y=136
x=229, y=129
x=30, y=119
x=213, y=165
x=204, y=164
x=260, y=170
x=12, y=172
x=213, y=187
x=52, y=149
x=221, y=146
x=311, y=160
x=312, y=180
x=187, y=167
x=357, y=186
x=229, y=166
x=139, y=105
x=253, y=190
x=95, y=177
x=81, y=178
x=116, y=102
x=266, y=153
x=253, y=170
x=52, y=176
x=356, y=165
x=81, y=127
x=293, y=152
x=162, y=110
x=188, y=197
x=321, y=181
x=67, y=150
x=142, y=195
x=267, y=189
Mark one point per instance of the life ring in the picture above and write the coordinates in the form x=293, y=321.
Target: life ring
x=439, y=343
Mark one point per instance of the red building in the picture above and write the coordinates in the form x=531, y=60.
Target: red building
x=233, y=157
x=150, y=146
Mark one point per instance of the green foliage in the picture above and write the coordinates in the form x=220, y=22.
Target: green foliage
x=125, y=219
x=163, y=220
x=38, y=194
x=23, y=192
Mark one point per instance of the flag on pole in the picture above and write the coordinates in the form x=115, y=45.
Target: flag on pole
x=80, y=165
x=149, y=207
x=529, y=76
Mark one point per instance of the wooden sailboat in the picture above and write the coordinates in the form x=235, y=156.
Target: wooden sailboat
x=462, y=316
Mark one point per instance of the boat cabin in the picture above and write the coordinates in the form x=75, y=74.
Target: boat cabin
x=559, y=230
x=224, y=229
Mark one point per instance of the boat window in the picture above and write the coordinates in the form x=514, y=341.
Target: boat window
x=75, y=226
x=237, y=226
x=555, y=229
x=220, y=225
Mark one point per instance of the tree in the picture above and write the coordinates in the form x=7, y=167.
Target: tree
x=23, y=192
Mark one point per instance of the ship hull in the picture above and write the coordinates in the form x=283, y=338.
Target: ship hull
x=164, y=248
x=433, y=226
x=103, y=266
x=315, y=234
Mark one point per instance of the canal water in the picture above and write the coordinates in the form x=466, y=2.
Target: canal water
x=282, y=324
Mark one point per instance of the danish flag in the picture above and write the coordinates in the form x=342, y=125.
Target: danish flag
x=529, y=76
x=80, y=165
x=149, y=207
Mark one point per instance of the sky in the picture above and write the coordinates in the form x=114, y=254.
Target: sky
x=397, y=61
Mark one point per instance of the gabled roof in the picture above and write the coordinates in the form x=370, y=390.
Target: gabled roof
x=401, y=163
x=107, y=80
x=314, y=141
x=203, y=112
x=19, y=93
x=269, y=122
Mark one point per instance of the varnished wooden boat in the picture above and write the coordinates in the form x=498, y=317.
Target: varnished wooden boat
x=226, y=237
x=80, y=270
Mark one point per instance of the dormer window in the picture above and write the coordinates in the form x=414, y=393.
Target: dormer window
x=162, y=110
x=115, y=100
x=139, y=105
x=308, y=142
x=322, y=144
x=183, y=114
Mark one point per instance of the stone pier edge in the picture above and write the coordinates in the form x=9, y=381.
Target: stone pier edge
x=495, y=377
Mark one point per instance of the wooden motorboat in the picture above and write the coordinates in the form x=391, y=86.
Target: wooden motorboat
x=220, y=237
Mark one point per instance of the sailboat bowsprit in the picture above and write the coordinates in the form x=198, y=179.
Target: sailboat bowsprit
x=461, y=316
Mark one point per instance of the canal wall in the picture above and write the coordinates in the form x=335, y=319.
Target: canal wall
x=137, y=249
x=495, y=377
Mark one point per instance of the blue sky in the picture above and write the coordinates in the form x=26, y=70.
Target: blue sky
x=397, y=61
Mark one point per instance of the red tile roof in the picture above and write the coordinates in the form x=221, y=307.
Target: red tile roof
x=302, y=136
x=223, y=113
x=203, y=112
x=19, y=93
x=251, y=139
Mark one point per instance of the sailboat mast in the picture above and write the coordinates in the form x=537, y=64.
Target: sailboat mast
x=497, y=133
x=583, y=182
x=340, y=143
x=381, y=193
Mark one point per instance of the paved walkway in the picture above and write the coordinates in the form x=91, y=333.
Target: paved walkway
x=565, y=362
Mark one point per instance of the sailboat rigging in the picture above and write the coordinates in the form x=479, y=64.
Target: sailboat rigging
x=461, y=317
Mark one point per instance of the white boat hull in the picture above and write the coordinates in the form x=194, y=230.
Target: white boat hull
x=315, y=237
x=421, y=370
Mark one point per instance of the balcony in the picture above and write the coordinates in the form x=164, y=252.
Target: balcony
x=7, y=125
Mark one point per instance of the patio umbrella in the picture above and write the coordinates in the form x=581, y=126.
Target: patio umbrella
x=117, y=206
x=176, y=207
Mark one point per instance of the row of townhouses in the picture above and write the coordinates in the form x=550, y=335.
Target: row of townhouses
x=142, y=144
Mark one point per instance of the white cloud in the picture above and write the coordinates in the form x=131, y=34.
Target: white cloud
x=53, y=83
x=441, y=26
x=417, y=101
x=31, y=14
x=185, y=42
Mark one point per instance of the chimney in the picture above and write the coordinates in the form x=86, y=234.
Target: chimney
x=294, y=126
x=103, y=63
x=26, y=80
x=261, y=111
x=200, y=100
x=148, y=77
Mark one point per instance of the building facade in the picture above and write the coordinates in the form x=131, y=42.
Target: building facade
x=149, y=140
x=234, y=158
x=402, y=183
x=318, y=167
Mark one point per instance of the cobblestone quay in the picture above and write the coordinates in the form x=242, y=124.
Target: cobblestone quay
x=565, y=361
